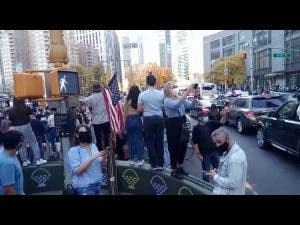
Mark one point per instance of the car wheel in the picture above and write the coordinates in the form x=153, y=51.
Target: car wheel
x=260, y=138
x=240, y=127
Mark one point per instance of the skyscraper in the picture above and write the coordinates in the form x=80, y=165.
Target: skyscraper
x=39, y=43
x=7, y=60
x=180, y=56
x=165, y=54
x=70, y=41
x=92, y=38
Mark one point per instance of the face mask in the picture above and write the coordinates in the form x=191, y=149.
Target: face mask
x=85, y=137
x=205, y=119
x=222, y=148
x=175, y=91
x=298, y=112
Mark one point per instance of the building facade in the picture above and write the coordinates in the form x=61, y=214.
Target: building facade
x=180, y=40
x=88, y=55
x=165, y=53
x=70, y=41
x=260, y=45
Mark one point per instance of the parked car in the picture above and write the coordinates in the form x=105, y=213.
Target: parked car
x=281, y=128
x=244, y=111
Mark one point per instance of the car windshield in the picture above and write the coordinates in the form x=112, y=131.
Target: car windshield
x=267, y=102
x=209, y=87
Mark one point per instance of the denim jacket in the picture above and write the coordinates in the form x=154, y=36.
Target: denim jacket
x=232, y=173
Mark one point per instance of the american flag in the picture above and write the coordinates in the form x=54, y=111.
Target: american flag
x=112, y=99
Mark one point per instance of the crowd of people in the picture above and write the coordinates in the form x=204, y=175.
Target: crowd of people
x=149, y=116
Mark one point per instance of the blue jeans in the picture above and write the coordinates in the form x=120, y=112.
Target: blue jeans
x=52, y=138
x=154, y=138
x=40, y=143
x=211, y=158
x=135, y=139
x=92, y=189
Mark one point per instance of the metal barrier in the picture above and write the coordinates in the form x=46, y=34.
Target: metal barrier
x=130, y=179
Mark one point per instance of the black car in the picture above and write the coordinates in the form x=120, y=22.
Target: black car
x=244, y=111
x=281, y=128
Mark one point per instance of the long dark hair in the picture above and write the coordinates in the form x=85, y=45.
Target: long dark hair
x=76, y=140
x=19, y=108
x=133, y=95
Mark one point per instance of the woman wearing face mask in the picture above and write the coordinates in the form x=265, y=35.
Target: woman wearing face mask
x=175, y=111
x=84, y=161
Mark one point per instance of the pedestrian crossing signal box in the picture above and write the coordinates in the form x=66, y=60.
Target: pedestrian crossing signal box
x=64, y=83
x=28, y=85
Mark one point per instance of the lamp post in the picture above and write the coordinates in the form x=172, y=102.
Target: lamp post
x=251, y=48
x=226, y=72
x=211, y=67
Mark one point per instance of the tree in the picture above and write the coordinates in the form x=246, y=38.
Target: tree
x=137, y=75
x=98, y=71
x=236, y=70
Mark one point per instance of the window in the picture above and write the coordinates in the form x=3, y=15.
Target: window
x=228, y=40
x=288, y=111
x=263, y=59
x=263, y=37
x=241, y=46
x=295, y=55
x=241, y=36
x=215, y=44
x=214, y=55
x=228, y=51
x=241, y=103
x=267, y=102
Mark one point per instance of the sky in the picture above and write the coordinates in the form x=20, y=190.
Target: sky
x=151, y=50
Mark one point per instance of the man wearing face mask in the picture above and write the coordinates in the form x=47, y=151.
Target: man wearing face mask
x=11, y=175
x=204, y=147
x=230, y=178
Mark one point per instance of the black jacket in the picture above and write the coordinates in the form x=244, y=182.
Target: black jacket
x=202, y=136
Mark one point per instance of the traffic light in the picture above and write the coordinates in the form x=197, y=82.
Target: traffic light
x=64, y=83
x=28, y=85
x=245, y=54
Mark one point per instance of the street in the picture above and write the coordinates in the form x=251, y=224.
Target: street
x=270, y=172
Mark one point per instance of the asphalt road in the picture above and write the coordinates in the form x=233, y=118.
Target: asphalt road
x=270, y=172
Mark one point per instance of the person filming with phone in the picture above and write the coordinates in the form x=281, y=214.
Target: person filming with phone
x=84, y=161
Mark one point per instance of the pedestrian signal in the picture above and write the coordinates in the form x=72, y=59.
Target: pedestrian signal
x=28, y=85
x=64, y=83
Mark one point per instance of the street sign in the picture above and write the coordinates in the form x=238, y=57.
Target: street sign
x=281, y=55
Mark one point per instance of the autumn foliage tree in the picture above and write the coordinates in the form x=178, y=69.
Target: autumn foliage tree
x=88, y=75
x=137, y=75
x=236, y=71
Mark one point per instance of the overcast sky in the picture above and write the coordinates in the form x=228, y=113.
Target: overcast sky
x=151, y=49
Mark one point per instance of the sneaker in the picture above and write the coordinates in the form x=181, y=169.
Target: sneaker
x=153, y=168
x=25, y=163
x=159, y=168
x=40, y=162
x=131, y=163
x=141, y=162
x=29, y=163
x=182, y=171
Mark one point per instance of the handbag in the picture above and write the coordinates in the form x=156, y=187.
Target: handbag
x=185, y=132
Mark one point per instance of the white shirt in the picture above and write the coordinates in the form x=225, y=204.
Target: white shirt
x=232, y=173
x=51, y=121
